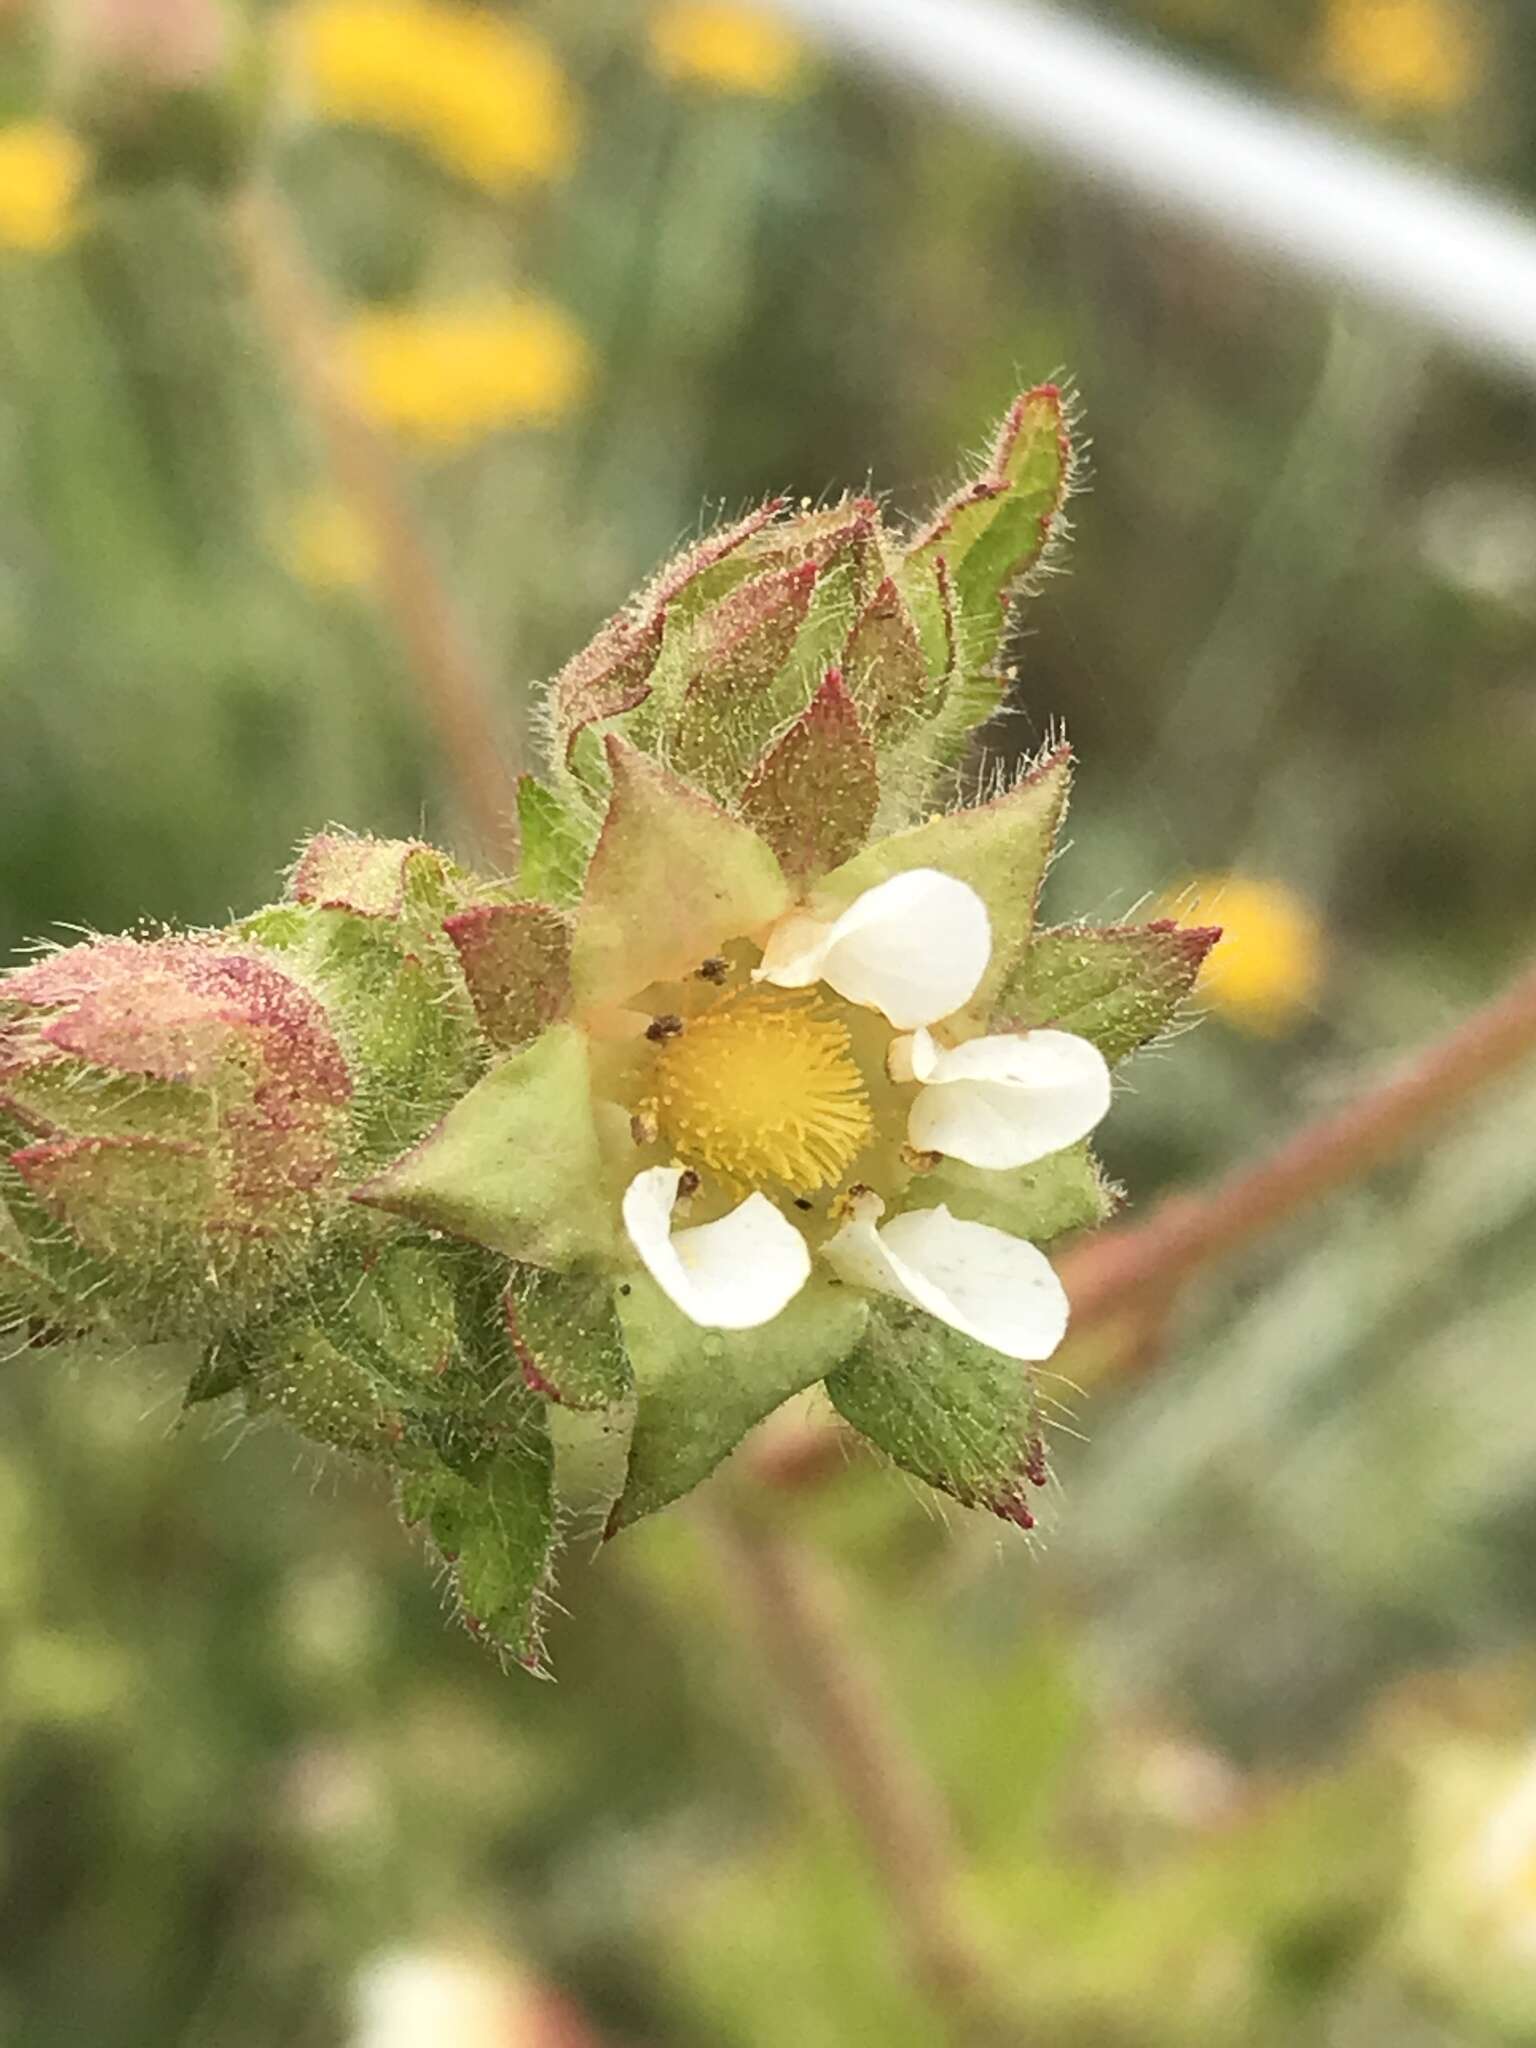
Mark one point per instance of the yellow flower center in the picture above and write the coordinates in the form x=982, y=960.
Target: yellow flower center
x=762, y=1087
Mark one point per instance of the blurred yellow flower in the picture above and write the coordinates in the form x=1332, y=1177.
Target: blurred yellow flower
x=479, y=92
x=735, y=48
x=1265, y=973
x=42, y=168
x=1401, y=56
x=327, y=546
x=449, y=374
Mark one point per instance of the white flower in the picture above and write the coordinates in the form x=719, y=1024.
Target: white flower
x=915, y=949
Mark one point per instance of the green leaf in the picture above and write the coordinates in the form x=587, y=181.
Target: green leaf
x=946, y=1409
x=516, y=959
x=555, y=845
x=995, y=528
x=672, y=879
x=1118, y=985
x=702, y=1390
x=495, y=1530
x=1063, y=1192
x=514, y=1165
x=813, y=795
x=1000, y=848
x=567, y=1337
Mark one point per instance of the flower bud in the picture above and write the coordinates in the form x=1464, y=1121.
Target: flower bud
x=175, y=1110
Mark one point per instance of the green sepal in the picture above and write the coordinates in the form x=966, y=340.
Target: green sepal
x=1001, y=849
x=700, y=1391
x=993, y=531
x=591, y=1447
x=567, y=1337
x=514, y=1165
x=494, y=1528
x=516, y=960
x=672, y=878
x=330, y=1392
x=1118, y=985
x=144, y=1205
x=814, y=794
x=730, y=703
x=1064, y=1192
x=555, y=844
x=702, y=573
x=946, y=1409
x=885, y=667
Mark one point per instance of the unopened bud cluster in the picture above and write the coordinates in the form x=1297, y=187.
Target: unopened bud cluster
x=759, y=1073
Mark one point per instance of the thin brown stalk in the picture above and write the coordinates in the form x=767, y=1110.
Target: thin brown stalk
x=456, y=695
x=808, y=1641
x=1145, y=1264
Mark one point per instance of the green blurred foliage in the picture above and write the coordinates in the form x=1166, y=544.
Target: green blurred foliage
x=239, y=1751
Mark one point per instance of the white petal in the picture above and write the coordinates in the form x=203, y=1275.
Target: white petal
x=729, y=1275
x=796, y=948
x=1008, y=1100
x=914, y=947
x=984, y=1283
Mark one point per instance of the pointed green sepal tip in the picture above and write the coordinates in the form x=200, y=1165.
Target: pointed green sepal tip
x=555, y=844
x=995, y=530
x=885, y=666
x=494, y=1528
x=1001, y=849
x=514, y=1165
x=814, y=794
x=672, y=878
x=700, y=1391
x=1060, y=1194
x=946, y=1409
x=612, y=675
x=1121, y=986
x=516, y=960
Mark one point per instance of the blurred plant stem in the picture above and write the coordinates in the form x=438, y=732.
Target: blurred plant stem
x=456, y=694
x=807, y=1633
x=1300, y=544
x=1141, y=1268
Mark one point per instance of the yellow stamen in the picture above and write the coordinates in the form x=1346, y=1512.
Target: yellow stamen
x=762, y=1087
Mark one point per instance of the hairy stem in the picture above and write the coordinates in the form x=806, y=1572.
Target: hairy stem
x=808, y=1642
x=457, y=696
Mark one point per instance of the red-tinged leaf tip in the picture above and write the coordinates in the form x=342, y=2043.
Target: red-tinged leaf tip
x=366, y=876
x=814, y=794
x=611, y=675
x=710, y=552
x=516, y=960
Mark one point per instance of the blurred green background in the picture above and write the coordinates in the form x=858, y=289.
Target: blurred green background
x=1242, y=1749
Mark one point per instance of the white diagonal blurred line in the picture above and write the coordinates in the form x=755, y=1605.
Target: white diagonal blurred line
x=1285, y=185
